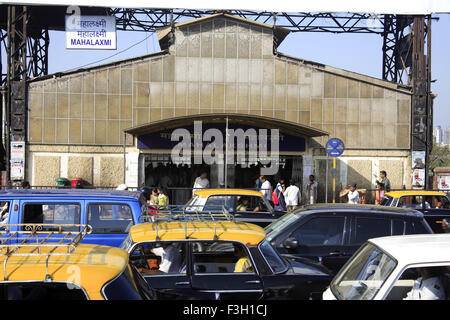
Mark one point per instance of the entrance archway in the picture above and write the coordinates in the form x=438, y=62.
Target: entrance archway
x=154, y=141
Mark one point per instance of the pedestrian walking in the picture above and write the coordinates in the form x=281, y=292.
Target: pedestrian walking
x=311, y=190
x=385, y=181
x=293, y=197
x=278, y=198
x=266, y=188
x=353, y=194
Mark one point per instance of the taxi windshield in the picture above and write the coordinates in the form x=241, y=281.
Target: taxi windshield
x=386, y=201
x=363, y=276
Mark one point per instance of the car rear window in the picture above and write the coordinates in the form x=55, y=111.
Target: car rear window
x=416, y=227
x=367, y=228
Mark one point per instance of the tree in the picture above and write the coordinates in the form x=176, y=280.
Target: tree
x=440, y=156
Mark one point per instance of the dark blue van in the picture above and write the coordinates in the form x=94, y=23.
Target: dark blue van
x=110, y=213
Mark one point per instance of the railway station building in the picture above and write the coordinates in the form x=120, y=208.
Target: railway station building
x=112, y=123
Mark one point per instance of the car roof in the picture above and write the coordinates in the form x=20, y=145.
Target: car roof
x=398, y=194
x=369, y=208
x=64, y=193
x=94, y=266
x=204, y=193
x=420, y=248
x=244, y=232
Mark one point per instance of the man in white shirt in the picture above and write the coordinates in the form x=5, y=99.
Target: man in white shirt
x=353, y=194
x=266, y=188
x=427, y=287
x=201, y=182
x=170, y=258
x=293, y=197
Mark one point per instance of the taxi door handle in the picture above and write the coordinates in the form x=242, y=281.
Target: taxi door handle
x=253, y=281
x=182, y=283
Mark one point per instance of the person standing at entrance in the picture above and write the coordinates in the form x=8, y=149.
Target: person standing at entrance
x=293, y=197
x=201, y=182
x=311, y=190
x=385, y=181
x=266, y=188
x=163, y=199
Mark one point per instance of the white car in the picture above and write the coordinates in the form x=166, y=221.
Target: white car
x=386, y=268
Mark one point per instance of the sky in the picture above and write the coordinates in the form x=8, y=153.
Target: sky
x=359, y=53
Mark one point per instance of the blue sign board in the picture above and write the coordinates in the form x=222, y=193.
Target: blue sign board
x=334, y=147
x=162, y=139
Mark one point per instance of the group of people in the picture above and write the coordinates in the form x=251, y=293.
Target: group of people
x=382, y=185
x=287, y=196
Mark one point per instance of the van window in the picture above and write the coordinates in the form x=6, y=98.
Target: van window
x=109, y=218
x=4, y=212
x=367, y=228
x=51, y=213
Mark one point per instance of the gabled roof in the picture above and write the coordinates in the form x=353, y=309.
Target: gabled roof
x=279, y=32
x=284, y=126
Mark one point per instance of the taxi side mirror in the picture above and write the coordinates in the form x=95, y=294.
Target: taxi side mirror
x=290, y=243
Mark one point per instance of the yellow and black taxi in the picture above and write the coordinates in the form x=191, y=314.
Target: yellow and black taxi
x=219, y=259
x=245, y=205
x=43, y=265
x=435, y=205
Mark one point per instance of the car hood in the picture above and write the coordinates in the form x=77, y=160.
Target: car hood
x=306, y=266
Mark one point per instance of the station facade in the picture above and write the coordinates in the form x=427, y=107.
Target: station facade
x=112, y=123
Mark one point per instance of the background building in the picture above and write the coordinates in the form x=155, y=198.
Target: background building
x=438, y=135
x=212, y=68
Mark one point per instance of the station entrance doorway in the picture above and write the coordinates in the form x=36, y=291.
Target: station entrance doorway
x=178, y=179
x=284, y=143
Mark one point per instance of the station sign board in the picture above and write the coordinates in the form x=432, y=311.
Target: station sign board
x=91, y=32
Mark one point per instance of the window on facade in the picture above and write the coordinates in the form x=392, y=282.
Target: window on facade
x=52, y=213
x=220, y=257
x=367, y=228
x=320, y=231
x=109, y=218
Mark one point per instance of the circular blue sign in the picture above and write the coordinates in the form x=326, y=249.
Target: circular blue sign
x=334, y=147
